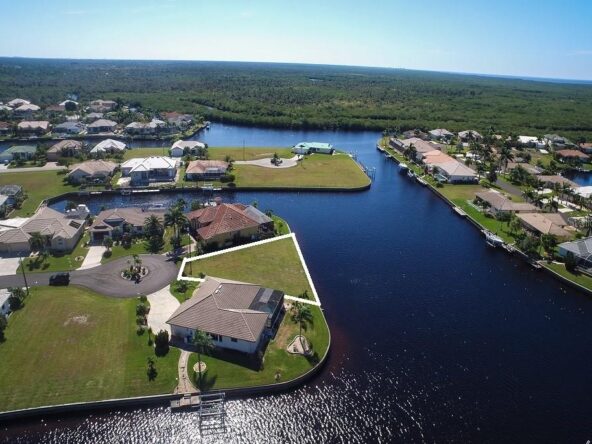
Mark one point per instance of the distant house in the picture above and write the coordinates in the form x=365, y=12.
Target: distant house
x=532, y=142
x=205, y=169
x=236, y=315
x=5, y=129
x=581, y=250
x=313, y=147
x=586, y=147
x=222, y=224
x=558, y=142
x=470, y=135
x=183, y=147
x=91, y=171
x=91, y=117
x=60, y=232
x=530, y=169
x=441, y=134
x=34, y=127
x=108, y=146
x=65, y=102
x=26, y=111
x=546, y=223
x=178, y=120
x=15, y=103
x=150, y=169
x=69, y=127
x=144, y=129
x=421, y=146
x=102, y=126
x=18, y=152
x=55, y=109
x=113, y=223
x=6, y=108
x=101, y=106
x=551, y=181
x=64, y=148
x=572, y=156
x=415, y=133
x=12, y=192
x=500, y=206
x=455, y=172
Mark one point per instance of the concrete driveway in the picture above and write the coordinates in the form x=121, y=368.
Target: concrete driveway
x=106, y=279
x=8, y=265
x=93, y=257
x=162, y=306
x=49, y=166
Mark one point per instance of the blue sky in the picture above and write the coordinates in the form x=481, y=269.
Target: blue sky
x=540, y=38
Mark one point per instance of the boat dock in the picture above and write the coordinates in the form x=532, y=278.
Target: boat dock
x=210, y=409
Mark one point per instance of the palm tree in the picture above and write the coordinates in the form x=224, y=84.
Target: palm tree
x=176, y=219
x=153, y=226
x=37, y=241
x=505, y=156
x=203, y=343
x=548, y=241
x=301, y=314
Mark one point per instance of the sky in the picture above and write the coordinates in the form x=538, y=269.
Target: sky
x=536, y=38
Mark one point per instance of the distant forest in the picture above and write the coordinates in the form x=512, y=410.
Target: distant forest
x=311, y=96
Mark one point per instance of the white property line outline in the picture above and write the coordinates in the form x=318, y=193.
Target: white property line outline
x=292, y=236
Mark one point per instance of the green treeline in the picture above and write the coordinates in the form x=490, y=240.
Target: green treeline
x=311, y=96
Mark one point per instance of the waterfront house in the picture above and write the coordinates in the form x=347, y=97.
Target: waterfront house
x=546, y=223
x=313, y=147
x=60, y=232
x=532, y=142
x=15, y=103
x=92, y=171
x=572, y=156
x=530, y=169
x=26, y=111
x=18, y=152
x=222, y=224
x=101, y=106
x=236, y=315
x=108, y=146
x=153, y=127
x=586, y=147
x=69, y=127
x=12, y=192
x=183, y=147
x=557, y=142
x=581, y=250
x=5, y=129
x=441, y=134
x=32, y=128
x=102, y=126
x=178, y=120
x=150, y=169
x=551, y=181
x=63, y=148
x=470, y=135
x=205, y=169
x=500, y=207
x=113, y=223
x=415, y=133
x=454, y=171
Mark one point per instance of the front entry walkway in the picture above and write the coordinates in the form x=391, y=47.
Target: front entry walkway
x=185, y=384
x=162, y=306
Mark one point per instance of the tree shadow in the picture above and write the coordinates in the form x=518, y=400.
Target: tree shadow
x=207, y=382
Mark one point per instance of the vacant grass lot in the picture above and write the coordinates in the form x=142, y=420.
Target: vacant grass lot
x=146, y=152
x=315, y=171
x=249, y=153
x=80, y=346
x=38, y=186
x=223, y=373
x=275, y=265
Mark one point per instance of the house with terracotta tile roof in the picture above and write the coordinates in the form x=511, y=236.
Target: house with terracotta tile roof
x=205, y=169
x=547, y=223
x=572, y=156
x=236, y=315
x=500, y=206
x=225, y=224
x=112, y=223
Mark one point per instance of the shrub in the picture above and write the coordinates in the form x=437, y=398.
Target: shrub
x=227, y=178
x=142, y=309
x=161, y=343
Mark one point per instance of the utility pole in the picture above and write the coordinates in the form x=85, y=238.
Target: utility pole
x=244, y=150
x=24, y=276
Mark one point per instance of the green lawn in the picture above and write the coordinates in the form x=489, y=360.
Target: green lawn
x=315, y=171
x=57, y=262
x=281, y=226
x=229, y=370
x=275, y=265
x=38, y=186
x=182, y=296
x=146, y=152
x=139, y=246
x=249, y=153
x=582, y=279
x=80, y=346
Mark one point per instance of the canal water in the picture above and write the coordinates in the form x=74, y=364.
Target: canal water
x=436, y=338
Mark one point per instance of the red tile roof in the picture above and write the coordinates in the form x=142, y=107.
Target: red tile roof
x=226, y=218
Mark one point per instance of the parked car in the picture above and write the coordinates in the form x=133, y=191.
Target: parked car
x=59, y=279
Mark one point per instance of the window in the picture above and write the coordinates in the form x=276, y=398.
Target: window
x=216, y=338
x=233, y=340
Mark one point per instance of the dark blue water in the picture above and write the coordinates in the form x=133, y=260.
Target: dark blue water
x=436, y=338
x=583, y=179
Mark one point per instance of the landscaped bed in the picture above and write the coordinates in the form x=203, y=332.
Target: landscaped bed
x=69, y=344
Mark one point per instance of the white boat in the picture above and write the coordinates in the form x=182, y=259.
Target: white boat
x=493, y=240
x=410, y=173
x=403, y=167
x=421, y=180
x=459, y=211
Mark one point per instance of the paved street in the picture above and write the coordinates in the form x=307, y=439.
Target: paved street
x=106, y=279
